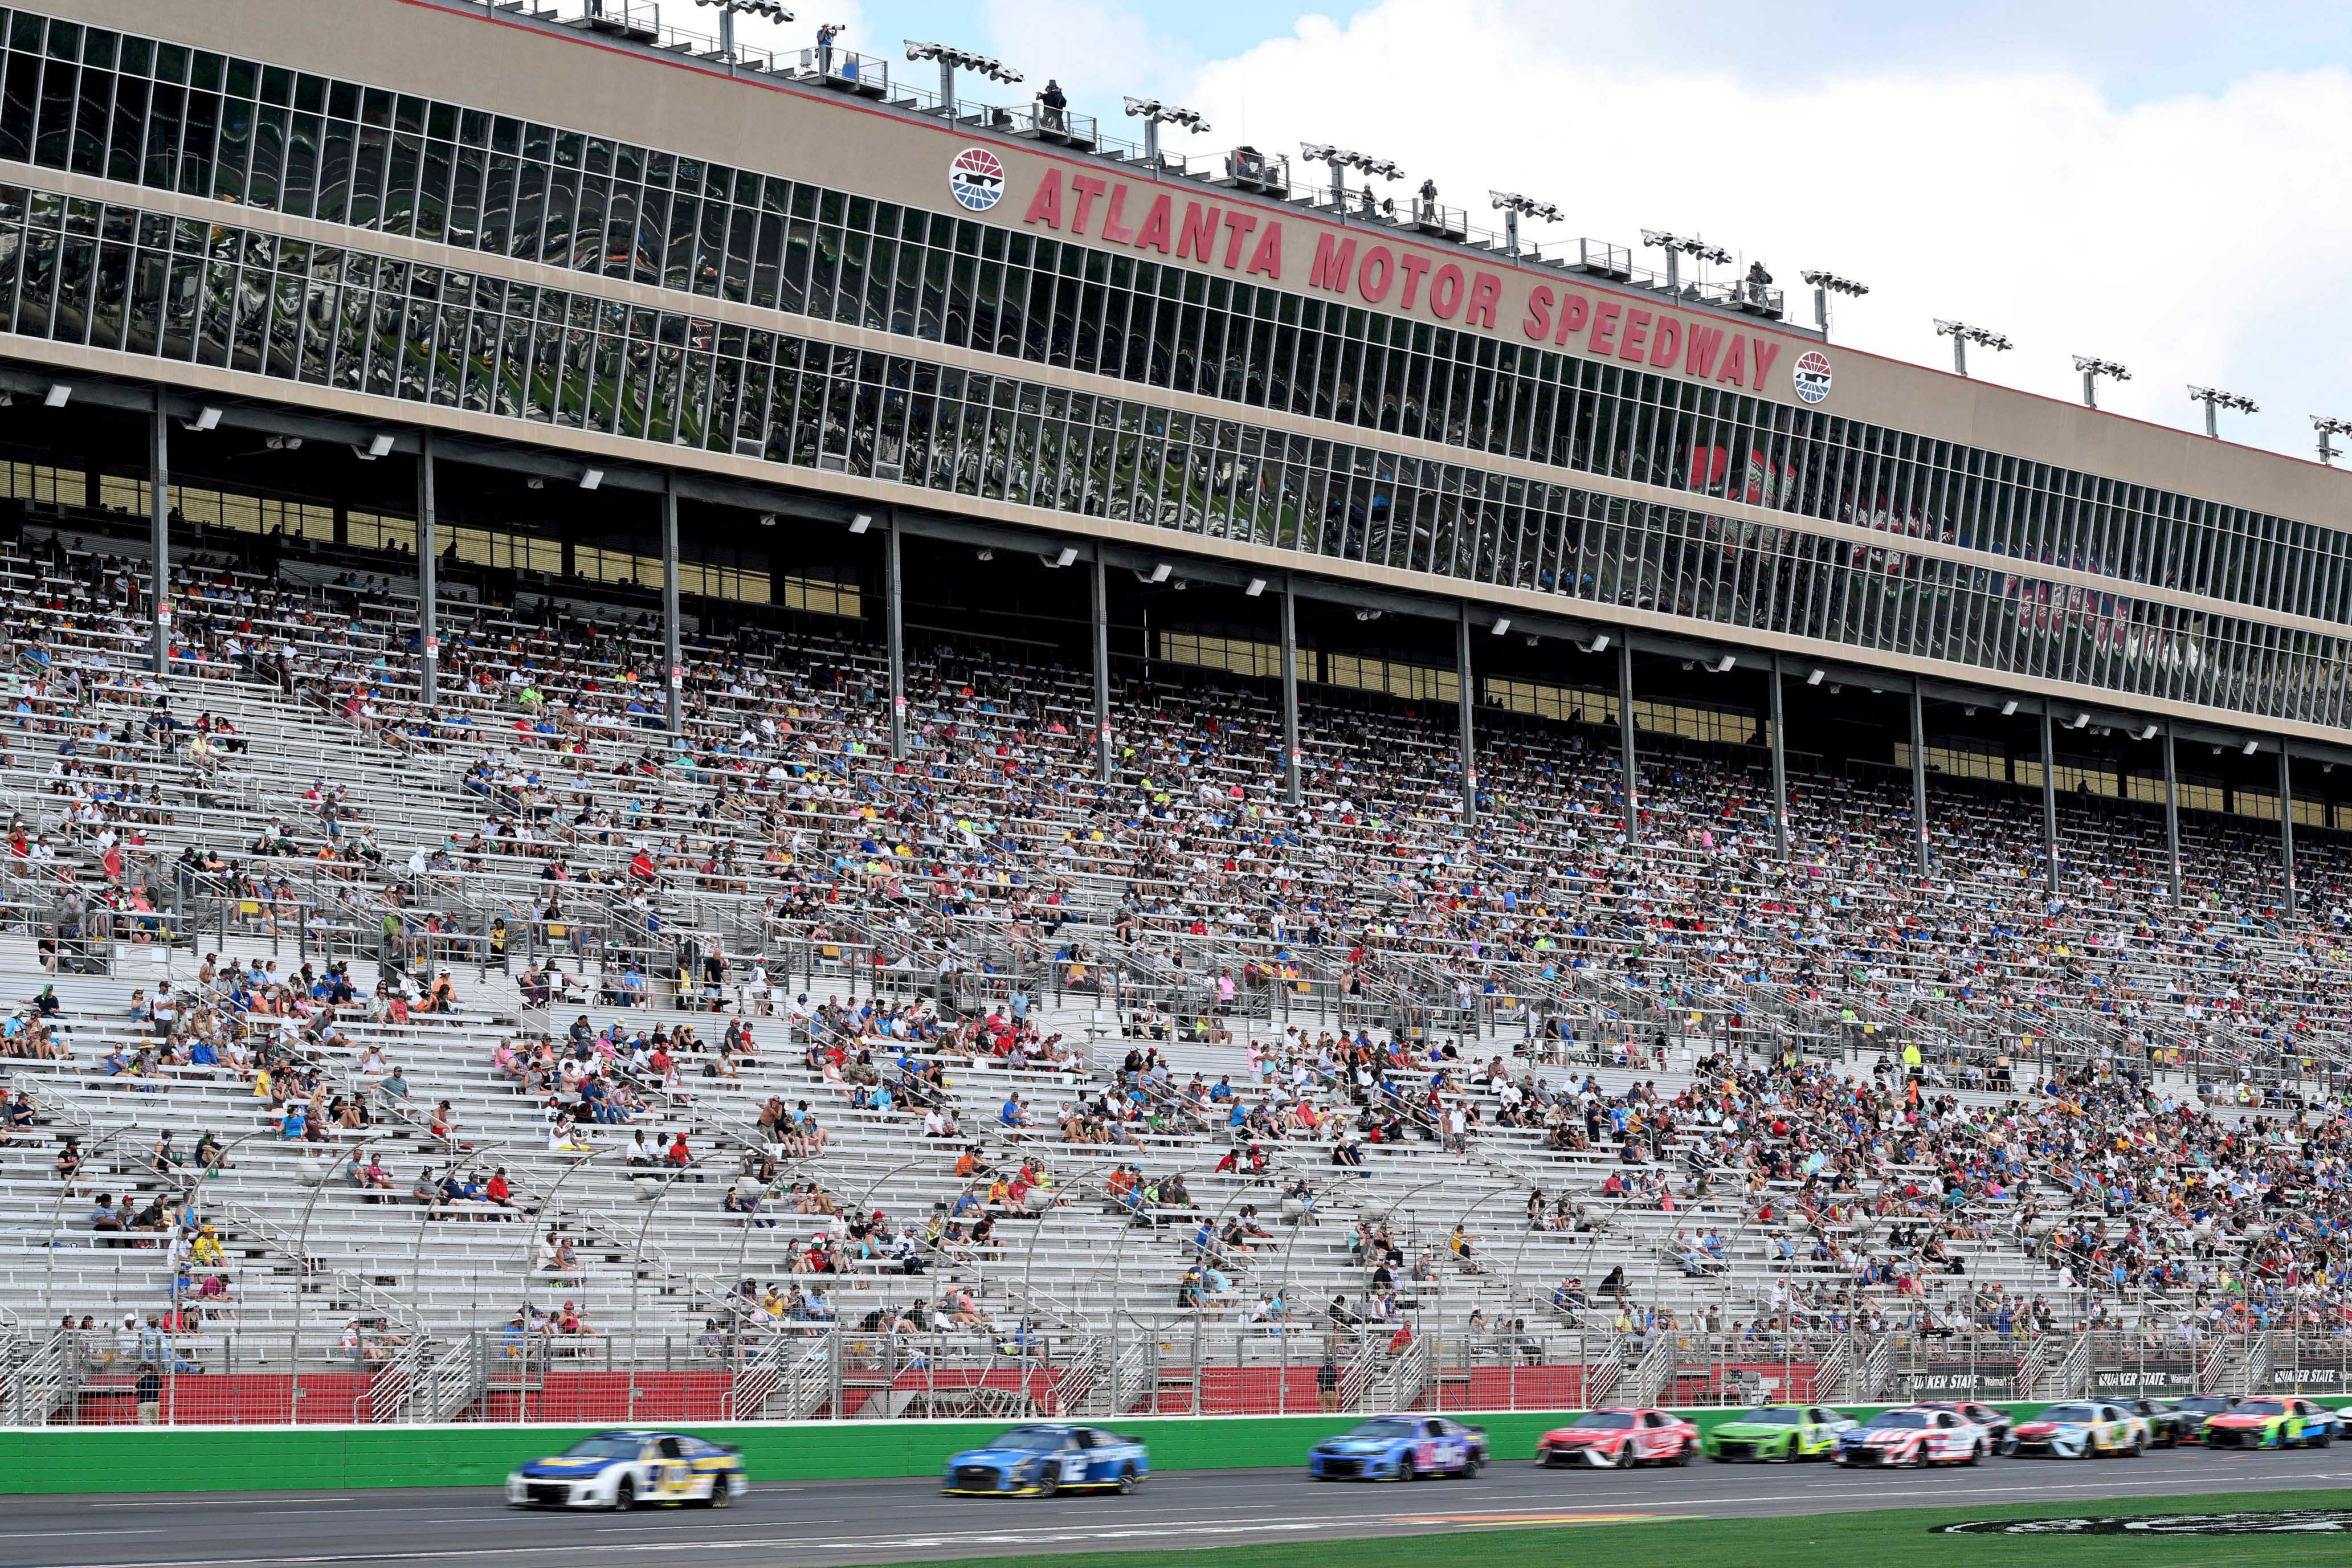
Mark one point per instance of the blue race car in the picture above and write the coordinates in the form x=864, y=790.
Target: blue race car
x=1039, y=1461
x=1399, y=1448
x=620, y=1470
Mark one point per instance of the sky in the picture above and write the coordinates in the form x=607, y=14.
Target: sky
x=2156, y=184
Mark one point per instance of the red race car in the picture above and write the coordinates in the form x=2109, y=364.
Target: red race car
x=1620, y=1439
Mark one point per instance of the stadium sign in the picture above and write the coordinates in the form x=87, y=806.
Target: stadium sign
x=976, y=179
x=1363, y=266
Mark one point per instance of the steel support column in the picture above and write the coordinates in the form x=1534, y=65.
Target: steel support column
x=1466, y=699
x=894, y=634
x=2286, y=827
x=1919, y=777
x=2171, y=819
x=1102, y=669
x=1630, y=776
x=1291, y=779
x=673, y=666
x=428, y=583
x=1779, y=765
x=159, y=509
x=2049, y=801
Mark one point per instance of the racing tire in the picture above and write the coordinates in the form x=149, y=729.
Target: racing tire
x=722, y=1494
x=2135, y=1450
x=1976, y=1452
x=1682, y=1458
x=2322, y=1440
x=2007, y=1446
x=1478, y=1463
x=1407, y=1470
x=1128, y=1481
x=1049, y=1484
x=1625, y=1460
x=625, y=1496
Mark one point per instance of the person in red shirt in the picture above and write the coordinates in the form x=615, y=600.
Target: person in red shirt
x=498, y=1192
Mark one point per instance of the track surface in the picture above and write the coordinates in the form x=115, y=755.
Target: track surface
x=889, y=1522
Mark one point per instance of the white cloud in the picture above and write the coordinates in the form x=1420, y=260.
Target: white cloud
x=2191, y=236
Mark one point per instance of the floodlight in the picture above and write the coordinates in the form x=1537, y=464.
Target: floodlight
x=208, y=418
x=861, y=522
x=1502, y=626
x=58, y=393
x=379, y=445
x=1256, y=586
x=1962, y=335
x=592, y=479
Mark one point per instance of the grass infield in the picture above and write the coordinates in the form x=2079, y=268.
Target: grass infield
x=1903, y=1536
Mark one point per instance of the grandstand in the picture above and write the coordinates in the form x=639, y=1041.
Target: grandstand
x=873, y=811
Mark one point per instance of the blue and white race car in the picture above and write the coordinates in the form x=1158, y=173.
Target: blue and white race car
x=622, y=1469
x=1039, y=1461
x=1399, y=1448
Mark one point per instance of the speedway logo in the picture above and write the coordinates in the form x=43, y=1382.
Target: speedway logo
x=2289, y=1522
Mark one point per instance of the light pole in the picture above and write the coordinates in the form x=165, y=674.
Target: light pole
x=1826, y=284
x=1154, y=114
x=2093, y=368
x=951, y=61
x=1962, y=335
x=2215, y=399
x=1513, y=207
x=727, y=10
x=2329, y=427
x=1676, y=247
x=1341, y=160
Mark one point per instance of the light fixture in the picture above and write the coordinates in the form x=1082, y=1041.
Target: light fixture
x=535, y=482
x=1341, y=160
x=2327, y=427
x=2009, y=709
x=1256, y=586
x=1723, y=665
x=1067, y=553
x=1962, y=335
x=1502, y=626
x=2081, y=721
x=1826, y=284
x=208, y=418
x=988, y=555
x=1154, y=114
x=1599, y=644
x=592, y=479
x=1814, y=679
x=284, y=443
x=2215, y=399
x=58, y=393
x=1676, y=247
x=1158, y=572
x=1513, y=205
x=2093, y=368
x=1179, y=585
x=2148, y=733
x=861, y=522
x=2249, y=749
x=767, y=520
x=378, y=446
x=952, y=61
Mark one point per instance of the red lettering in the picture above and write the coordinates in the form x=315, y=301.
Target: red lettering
x=1113, y=231
x=1267, y=257
x=1735, y=361
x=1088, y=188
x=1763, y=354
x=1237, y=227
x=1335, y=259
x=1604, y=326
x=1537, y=326
x=1198, y=237
x=1445, y=291
x=1575, y=310
x=1046, y=205
x=1698, y=356
x=1485, y=289
x=1156, y=227
x=1378, y=256
x=1637, y=335
x=1665, y=341
x=1412, y=267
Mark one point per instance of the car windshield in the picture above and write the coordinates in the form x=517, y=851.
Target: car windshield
x=2070, y=1413
x=1388, y=1427
x=603, y=1448
x=1604, y=1420
x=2260, y=1407
x=1773, y=1416
x=1892, y=1419
x=2204, y=1404
x=1031, y=1440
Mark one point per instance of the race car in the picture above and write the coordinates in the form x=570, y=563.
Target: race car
x=2082, y=1430
x=2196, y=1409
x=1399, y=1448
x=2000, y=1423
x=1778, y=1433
x=1039, y=1461
x=2271, y=1424
x=620, y=1470
x=1915, y=1435
x=2166, y=1423
x=1620, y=1439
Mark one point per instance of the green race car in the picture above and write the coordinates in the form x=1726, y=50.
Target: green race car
x=2279, y=1423
x=1775, y=1434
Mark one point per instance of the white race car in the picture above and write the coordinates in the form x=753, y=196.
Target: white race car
x=622, y=1469
x=2083, y=1429
x=1913, y=1437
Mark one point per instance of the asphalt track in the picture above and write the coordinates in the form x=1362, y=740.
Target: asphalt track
x=898, y=1521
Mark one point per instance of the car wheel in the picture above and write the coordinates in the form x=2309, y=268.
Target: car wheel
x=2136, y=1448
x=1976, y=1452
x=1625, y=1460
x=2007, y=1446
x=1050, y=1482
x=625, y=1496
x=1407, y=1470
x=1682, y=1455
x=722, y=1493
x=1128, y=1481
x=1478, y=1463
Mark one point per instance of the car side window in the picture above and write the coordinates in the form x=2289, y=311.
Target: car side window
x=669, y=1448
x=1084, y=1439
